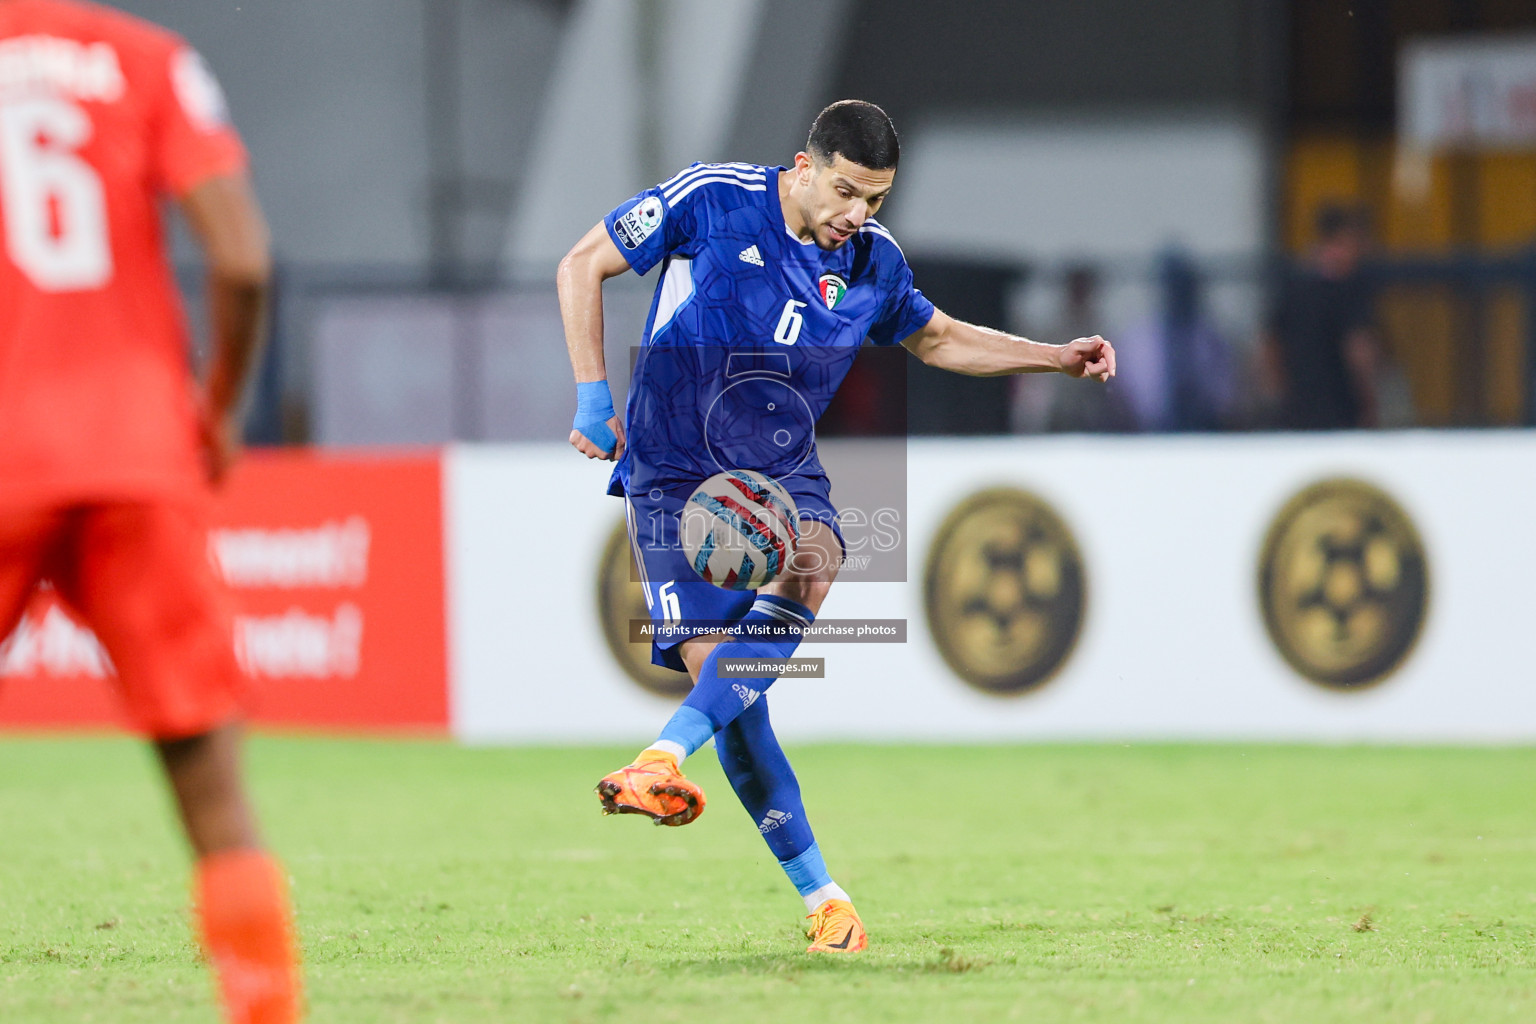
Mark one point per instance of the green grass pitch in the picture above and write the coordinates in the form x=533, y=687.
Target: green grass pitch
x=1031, y=883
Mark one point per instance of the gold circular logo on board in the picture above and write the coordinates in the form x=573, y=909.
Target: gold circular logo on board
x=620, y=599
x=1004, y=591
x=1344, y=584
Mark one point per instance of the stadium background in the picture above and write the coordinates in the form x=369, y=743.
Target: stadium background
x=1214, y=724
x=420, y=527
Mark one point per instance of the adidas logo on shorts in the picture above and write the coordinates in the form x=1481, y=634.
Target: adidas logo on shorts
x=752, y=256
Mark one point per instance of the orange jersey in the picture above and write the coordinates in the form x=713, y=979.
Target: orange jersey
x=101, y=116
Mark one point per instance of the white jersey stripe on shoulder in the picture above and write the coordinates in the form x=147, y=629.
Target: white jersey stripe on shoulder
x=875, y=228
x=706, y=168
x=688, y=171
x=692, y=169
x=711, y=172
x=698, y=182
x=679, y=176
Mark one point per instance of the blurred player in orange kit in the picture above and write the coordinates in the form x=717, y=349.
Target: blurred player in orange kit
x=108, y=449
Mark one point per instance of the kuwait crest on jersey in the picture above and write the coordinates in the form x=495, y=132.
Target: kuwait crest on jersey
x=832, y=289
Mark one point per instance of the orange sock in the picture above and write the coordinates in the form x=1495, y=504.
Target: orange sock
x=242, y=911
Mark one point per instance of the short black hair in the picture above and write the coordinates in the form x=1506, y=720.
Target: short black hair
x=861, y=132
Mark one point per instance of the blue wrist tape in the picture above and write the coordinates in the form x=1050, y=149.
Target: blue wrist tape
x=594, y=408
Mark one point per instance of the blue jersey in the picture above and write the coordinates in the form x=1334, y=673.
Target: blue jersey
x=751, y=330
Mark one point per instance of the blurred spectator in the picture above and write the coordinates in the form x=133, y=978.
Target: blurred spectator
x=1322, y=351
x=1178, y=370
x=1039, y=403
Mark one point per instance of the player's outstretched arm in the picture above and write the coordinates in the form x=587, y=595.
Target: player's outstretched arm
x=950, y=344
x=597, y=431
x=227, y=221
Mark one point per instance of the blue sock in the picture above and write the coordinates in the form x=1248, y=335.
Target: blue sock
x=689, y=728
x=765, y=783
x=808, y=871
x=767, y=787
x=717, y=701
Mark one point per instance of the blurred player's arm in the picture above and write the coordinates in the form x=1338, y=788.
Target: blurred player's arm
x=597, y=431
x=227, y=221
x=950, y=344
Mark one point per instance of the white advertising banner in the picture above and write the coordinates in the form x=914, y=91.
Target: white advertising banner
x=1476, y=91
x=1372, y=587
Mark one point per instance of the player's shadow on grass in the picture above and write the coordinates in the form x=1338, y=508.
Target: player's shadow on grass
x=941, y=961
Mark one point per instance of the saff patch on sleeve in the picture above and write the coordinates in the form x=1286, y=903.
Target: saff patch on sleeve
x=640, y=222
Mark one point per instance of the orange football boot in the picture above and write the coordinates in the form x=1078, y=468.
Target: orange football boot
x=836, y=928
x=652, y=786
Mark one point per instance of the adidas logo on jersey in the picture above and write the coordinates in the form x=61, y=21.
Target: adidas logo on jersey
x=752, y=256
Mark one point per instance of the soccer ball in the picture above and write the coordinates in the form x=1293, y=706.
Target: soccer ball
x=739, y=529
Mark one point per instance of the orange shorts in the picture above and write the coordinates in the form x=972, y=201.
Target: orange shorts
x=138, y=574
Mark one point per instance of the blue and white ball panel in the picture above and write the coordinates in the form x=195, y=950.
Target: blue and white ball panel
x=673, y=591
x=739, y=529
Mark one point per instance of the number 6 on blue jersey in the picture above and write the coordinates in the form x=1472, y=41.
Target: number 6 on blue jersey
x=788, y=331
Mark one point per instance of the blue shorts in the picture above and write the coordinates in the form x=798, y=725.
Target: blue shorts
x=674, y=593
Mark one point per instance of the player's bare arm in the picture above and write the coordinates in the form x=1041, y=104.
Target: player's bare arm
x=950, y=344
x=228, y=222
x=579, y=281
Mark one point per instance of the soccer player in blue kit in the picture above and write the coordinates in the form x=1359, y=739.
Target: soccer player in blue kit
x=783, y=272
